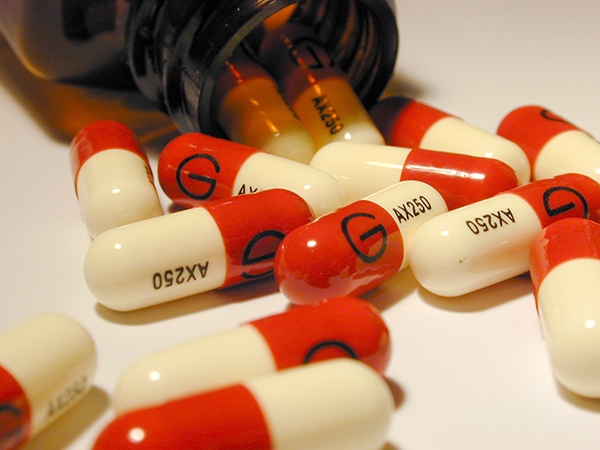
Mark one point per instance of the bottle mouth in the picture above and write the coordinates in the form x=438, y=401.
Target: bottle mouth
x=197, y=40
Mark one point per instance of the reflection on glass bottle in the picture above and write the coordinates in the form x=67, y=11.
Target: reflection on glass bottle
x=74, y=40
x=174, y=50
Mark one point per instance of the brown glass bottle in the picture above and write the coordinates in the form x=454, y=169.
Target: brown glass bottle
x=174, y=50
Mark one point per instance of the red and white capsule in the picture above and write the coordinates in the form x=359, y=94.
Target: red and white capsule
x=487, y=242
x=565, y=273
x=363, y=169
x=339, y=327
x=315, y=87
x=220, y=244
x=405, y=122
x=252, y=112
x=194, y=168
x=357, y=247
x=340, y=404
x=113, y=179
x=47, y=363
x=552, y=144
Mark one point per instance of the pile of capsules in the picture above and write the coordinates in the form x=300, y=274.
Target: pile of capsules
x=330, y=200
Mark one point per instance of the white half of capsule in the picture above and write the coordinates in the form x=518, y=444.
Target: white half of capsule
x=361, y=169
x=451, y=134
x=157, y=260
x=353, y=413
x=475, y=246
x=569, y=307
x=572, y=151
x=255, y=114
x=332, y=112
x=321, y=190
x=114, y=189
x=193, y=367
x=411, y=204
x=53, y=358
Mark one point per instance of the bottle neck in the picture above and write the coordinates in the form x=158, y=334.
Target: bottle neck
x=177, y=48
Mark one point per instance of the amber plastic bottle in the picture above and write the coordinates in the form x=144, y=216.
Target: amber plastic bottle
x=173, y=50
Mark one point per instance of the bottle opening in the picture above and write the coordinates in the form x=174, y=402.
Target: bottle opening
x=178, y=49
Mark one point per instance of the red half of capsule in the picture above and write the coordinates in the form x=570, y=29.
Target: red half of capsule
x=531, y=127
x=337, y=327
x=15, y=413
x=100, y=136
x=565, y=240
x=404, y=121
x=567, y=195
x=252, y=230
x=228, y=418
x=460, y=179
x=192, y=169
x=347, y=252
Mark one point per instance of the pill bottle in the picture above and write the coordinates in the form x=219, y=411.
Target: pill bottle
x=174, y=50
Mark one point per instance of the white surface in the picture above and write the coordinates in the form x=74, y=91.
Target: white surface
x=470, y=373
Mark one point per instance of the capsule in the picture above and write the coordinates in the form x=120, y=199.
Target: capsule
x=363, y=169
x=194, y=168
x=113, y=180
x=553, y=145
x=405, y=122
x=337, y=327
x=252, y=112
x=315, y=87
x=46, y=365
x=487, y=242
x=220, y=244
x=340, y=404
x=565, y=274
x=357, y=247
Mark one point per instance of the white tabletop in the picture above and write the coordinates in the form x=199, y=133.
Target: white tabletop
x=470, y=373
